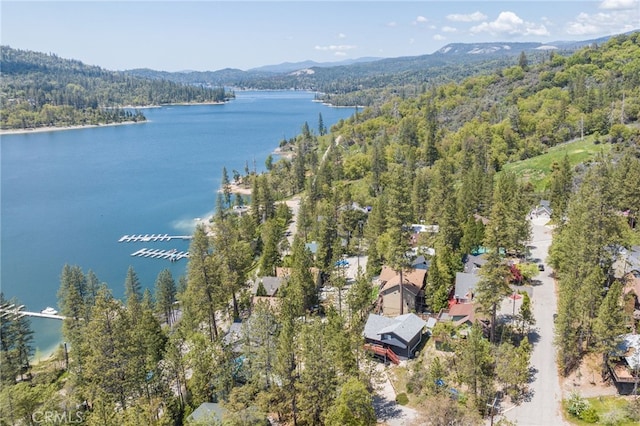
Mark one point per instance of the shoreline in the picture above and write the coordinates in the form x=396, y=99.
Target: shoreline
x=5, y=132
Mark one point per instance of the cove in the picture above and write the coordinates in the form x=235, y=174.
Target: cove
x=67, y=197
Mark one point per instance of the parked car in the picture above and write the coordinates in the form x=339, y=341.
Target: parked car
x=540, y=267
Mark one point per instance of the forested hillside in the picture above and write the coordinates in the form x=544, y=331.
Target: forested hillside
x=435, y=157
x=367, y=83
x=44, y=90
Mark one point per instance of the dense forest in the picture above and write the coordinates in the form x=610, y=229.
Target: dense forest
x=41, y=90
x=436, y=156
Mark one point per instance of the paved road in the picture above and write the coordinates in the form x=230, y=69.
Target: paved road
x=543, y=408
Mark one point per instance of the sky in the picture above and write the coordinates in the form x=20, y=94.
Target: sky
x=212, y=35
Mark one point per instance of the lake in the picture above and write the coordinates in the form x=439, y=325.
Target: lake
x=68, y=196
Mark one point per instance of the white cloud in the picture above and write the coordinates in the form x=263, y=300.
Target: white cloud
x=340, y=54
x=392, y=24
x=619, y=4
x=439, y=37
x=421, y=19
x=449, y=29
x=342, y=35
x=471, y=17
x=336, y=48
x=602, y=22
x=510, y=24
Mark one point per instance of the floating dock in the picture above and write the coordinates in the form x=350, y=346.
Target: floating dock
x=172, y=255
x=151, y=238
x=14, y=312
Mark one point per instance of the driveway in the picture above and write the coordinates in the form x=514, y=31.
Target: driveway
x=543, y=405
x=388, y=412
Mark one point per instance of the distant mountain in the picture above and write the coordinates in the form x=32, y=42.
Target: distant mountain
x=499, y=48
x=288, y=67
x=514, y=48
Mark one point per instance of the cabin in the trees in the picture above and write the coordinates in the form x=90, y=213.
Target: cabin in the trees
x=461, y=314
x=465, y=287
x=402, y=334
x=267, y=286
x=412, y=290
x=624, y=364
x=543, y=209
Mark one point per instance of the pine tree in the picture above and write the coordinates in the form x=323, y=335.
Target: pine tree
x=475, y=367
x=133, y=293
x=492, y=289
x=322, y=130
x=226, y=187
x=561, y=187
x=609, y=324
x=201, y=299
x=525, y=314
x=318, y=380
x=166, y=291
x=353, y=406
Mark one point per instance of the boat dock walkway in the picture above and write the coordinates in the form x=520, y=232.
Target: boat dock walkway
x=153, y=237
x=17, y=312
x=172, y=255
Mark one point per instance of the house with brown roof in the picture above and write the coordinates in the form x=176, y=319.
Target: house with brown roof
x=413, y=283
x=462, y=314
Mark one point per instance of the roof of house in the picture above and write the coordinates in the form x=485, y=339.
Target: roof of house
x=465, y=312
x=312, y=246
x=544, y=207
x=629, y=347
x=413, y=279
x=270, y=284
x=626, y=261
x=421, y=262
x=483, y=219
x=234, y=334
x=405, y=327
x=465, y=283
x=474, y=262
x=208, y=411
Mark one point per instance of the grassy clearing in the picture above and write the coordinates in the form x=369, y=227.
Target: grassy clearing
x=612, y=410
x=537, y=170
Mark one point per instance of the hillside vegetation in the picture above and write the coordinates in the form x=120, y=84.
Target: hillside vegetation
x=39, y=90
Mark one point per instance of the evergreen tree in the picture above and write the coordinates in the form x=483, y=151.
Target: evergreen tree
x=475, y=367
x=133, y=293
x=318, y=379
x=71, y=300
x=507, y=229
x=226, y=187
x=561, y=187
x=202, y=300
x=523, y=62
x=581, y=256
x=492, y=288
x=610, y=324
x=525, y=313
x=353, y=406
x=166, y=291
x=322, y=130
x=108, y=353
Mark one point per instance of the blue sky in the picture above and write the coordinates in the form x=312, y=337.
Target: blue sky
x=211, y=35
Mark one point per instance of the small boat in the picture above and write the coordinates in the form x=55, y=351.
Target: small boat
x=49, y=311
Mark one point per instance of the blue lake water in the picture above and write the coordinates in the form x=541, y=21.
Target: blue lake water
x=68, y=196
